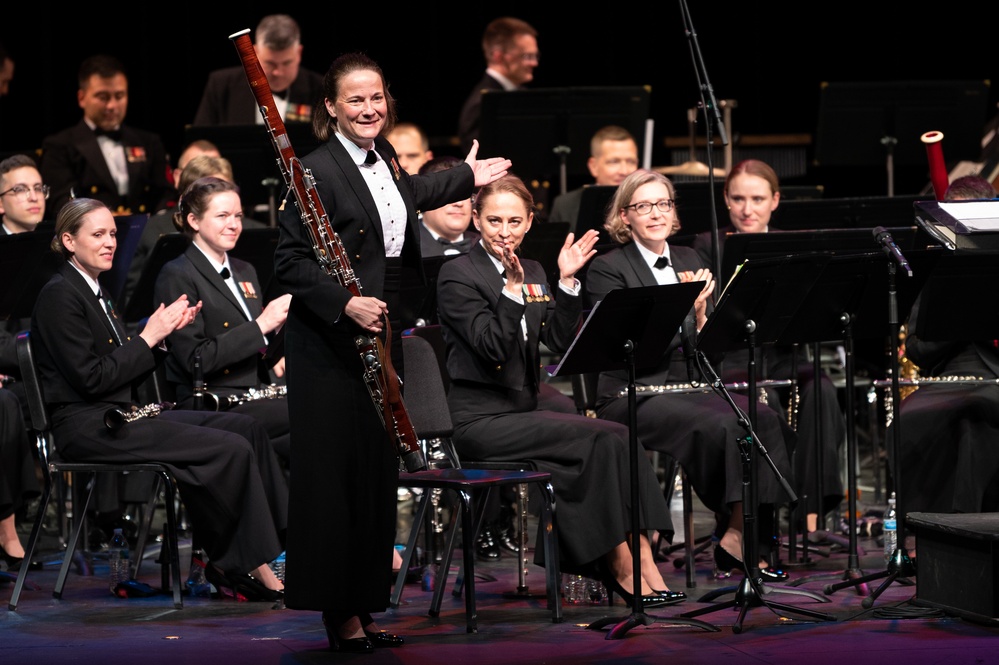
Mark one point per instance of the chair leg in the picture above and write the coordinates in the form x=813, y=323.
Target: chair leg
x=80, y=517
x=466, y=521
x=145, y=525
x=29, y=552
x=171, y=547
x=553, y=573
x=407, y=557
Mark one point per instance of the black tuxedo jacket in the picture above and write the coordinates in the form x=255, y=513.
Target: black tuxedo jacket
x=482, y=327
x=228, y=100
x=354, y=216
x=72, y=160
x=471, y=111
x=78, y=358
x=625, y=268
x=230, y=344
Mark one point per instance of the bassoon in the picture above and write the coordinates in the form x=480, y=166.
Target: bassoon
x=380, y=377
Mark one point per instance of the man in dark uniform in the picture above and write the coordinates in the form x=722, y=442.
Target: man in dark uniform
x=227, y=100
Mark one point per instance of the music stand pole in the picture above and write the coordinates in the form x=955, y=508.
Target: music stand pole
x=627, y=322
x=899, y=565
x=749, y=593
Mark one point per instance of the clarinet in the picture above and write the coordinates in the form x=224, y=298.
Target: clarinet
x=115, y=419
x=380, y=377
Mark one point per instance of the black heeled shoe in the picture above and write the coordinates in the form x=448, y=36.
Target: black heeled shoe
x=241, y=587
x=381, y=639
x=13, y=563
x=655, y=599
x=347, y=645
x=725, y=563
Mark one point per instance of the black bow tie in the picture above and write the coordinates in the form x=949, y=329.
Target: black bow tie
x=224, y=273
x=113, y=134
x=445, y=242
x=661, y=262
x=371, y=158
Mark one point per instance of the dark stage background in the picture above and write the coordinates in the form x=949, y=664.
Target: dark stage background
x=772, y=58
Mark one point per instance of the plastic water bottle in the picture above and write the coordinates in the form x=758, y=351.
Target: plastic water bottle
x=890, y=529
x=197, y=583
x=118, y=562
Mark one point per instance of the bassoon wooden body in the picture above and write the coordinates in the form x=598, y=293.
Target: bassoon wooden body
x=380, y=377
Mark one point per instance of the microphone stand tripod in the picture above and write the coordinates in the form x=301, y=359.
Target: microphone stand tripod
x=749, y=593
x=708, y=102
x=899, y=565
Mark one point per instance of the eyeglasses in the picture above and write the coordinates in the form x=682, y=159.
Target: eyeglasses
x=527, y=57
x=21, y=191
x=644, y=208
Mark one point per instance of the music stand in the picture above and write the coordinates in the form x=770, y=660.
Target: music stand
x=874, y=317
x=740, y=246
x=546, y=132
x=844, y=301
x=625, y=330
x=593, y=203
x=168, y=247
x=251, y=152
x=873, y=122
x=27, y=262
x=755, y=308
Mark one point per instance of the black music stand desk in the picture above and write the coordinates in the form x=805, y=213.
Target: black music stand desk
x=630, y=328
x=755, y=308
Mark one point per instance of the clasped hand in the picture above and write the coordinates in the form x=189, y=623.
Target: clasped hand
x=168, y=318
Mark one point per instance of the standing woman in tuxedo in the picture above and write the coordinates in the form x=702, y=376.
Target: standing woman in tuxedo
x=234, y=329
x=228, y=475
x=699, y=430
x=344, y=468
x=495, y=311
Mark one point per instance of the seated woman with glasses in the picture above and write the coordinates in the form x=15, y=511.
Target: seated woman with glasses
x=698, y=429
x=22, y=195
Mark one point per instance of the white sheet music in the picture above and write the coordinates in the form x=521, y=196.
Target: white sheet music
x=976, y=215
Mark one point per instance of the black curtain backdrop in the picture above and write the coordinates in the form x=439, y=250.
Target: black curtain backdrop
x=769, y=57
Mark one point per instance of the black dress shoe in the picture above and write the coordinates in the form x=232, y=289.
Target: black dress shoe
x=507, y=539
x=670, y=597
x=486, y=548
x=383, y=639
x=353, y=645
x=346, y=645
x=725, y=563
x=240, y=587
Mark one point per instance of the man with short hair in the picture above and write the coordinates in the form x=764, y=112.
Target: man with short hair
x=22, y=195
x=412, y=147
x=510, y=46
x=100, y=157
x=228, y=99
x=613, y=157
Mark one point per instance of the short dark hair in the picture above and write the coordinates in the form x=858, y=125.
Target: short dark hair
x=442, y=163
x=102, y=65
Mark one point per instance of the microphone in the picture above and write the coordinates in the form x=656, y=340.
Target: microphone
x=891, y=249
x=688, y=335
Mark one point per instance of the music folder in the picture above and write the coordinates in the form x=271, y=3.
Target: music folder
x=961, y=224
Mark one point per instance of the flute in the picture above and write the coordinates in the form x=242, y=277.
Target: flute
x=380, y=377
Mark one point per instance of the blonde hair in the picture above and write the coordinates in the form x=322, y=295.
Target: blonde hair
x=617, y=229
